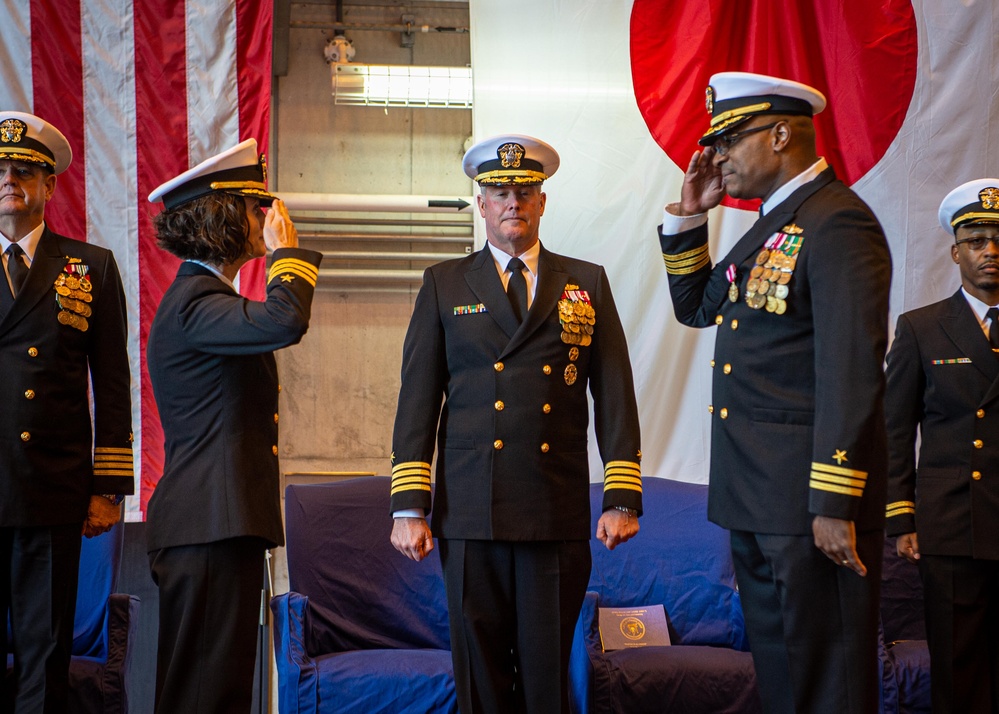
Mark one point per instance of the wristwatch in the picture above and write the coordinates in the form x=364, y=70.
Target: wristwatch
x=115, y=498
x=625, y=509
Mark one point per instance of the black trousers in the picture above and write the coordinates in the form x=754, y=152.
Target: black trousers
x=512, y=609
x=209, y=613
x=39, y=568
x=961, y=597
x=812, y=624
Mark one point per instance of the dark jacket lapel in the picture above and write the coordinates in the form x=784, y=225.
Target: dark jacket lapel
x=780, y=216
x=48, y=261
x=483, y=280
x=551, y=282
x=961, y=326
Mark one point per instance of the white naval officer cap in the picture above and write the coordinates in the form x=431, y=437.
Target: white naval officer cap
x=510, y=159
x=240, y=171
x=972, y=202
x=734, y=97
x=25, y=137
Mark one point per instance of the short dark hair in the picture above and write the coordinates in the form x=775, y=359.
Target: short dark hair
x=212, y=229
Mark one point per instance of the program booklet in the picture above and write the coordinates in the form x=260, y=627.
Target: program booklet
x=623, y=627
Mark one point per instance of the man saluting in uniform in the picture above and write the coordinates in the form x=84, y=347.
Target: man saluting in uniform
x=509, y=338
x=797, y=428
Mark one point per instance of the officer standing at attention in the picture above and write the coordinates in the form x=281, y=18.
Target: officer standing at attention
x=500, y=350
x=943, y=384
x=798, y=447
x=63, y=344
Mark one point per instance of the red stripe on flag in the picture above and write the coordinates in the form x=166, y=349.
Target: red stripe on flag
x=253, y=69
x=57, y=79
x=161, y=145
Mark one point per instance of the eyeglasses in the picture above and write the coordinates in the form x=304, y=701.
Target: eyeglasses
x=978, y=243
x=724, y=143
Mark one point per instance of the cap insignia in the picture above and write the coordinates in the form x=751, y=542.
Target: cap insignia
x=263, y=168
x=11, y=130
x=709, y=99
x=510, y=155
x=989, y=197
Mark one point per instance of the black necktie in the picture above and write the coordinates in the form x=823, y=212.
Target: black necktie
x=993, y=314
x=516, y=289
x=16, y=267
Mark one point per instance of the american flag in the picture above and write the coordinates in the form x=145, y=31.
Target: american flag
x=143, y=90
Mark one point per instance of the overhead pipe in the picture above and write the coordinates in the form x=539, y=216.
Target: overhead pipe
x=376, y=203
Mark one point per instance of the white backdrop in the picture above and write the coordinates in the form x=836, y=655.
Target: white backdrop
x=560, y=70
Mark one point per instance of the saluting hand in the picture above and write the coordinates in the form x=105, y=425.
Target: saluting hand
x=615, y=527
x=702, y=184
x=412, y=538
x=279, y=231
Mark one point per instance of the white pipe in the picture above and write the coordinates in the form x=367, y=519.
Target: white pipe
x=376, y=203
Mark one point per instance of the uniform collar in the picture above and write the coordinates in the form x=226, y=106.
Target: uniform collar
x=809, y=174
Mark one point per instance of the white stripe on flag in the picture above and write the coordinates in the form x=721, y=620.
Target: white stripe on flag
x=108, y=46
x=212, y=88
x=15, y=57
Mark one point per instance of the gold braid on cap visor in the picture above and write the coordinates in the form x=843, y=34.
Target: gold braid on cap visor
x=507, y=177
x=34, y=157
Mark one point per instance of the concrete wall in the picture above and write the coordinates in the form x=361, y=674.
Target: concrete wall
x=339, y=386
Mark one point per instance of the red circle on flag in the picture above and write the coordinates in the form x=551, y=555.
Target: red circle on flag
x=861, y=55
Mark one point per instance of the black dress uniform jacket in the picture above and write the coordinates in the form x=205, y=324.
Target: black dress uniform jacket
x=215, y=381
x=52, y=456
x=797, y=415
x=512, y=431
x=944, y=379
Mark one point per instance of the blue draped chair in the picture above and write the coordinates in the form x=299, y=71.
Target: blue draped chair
x=364, y=629
x=681, y=561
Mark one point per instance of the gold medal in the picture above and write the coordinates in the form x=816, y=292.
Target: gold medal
x=757, y=301
x=570, y=374
x=773, y=290
x=753, y=285
x=85, y=285
x=781, y=307
x=62, y=290
x=756, y=272
x=764, y=287
x=65, y=317
x=573, y=354
x=72, y=282
x=771, y=304
x=762, y=257
x=733, y=292
x=784, y=278
x=585, y=340
x=781, y=292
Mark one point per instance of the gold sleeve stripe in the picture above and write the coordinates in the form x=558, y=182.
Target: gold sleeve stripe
x=694, y=253
x=400, y=480
x=612, y=484
x=410, y=487
x=112, y=450
x=842, y=480
x=838, y=470
x=624, y=473
x=620, y=482
x=833, y=488
x=113, y=472
x=279, y=266
x=670, y=263
x=307, y=277
x=896, y=510
x=114, y=458
x=901, y=504
x=411, y=467
x=675, y=270
x=627, y=464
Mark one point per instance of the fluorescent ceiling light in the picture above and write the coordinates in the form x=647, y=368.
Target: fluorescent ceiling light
x=402, y=86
